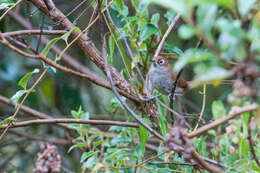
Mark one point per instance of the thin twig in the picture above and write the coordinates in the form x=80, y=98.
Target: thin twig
x=141, y=163
x=203, y=106
x=84, y=11
x=40, y=37
x=251, y=142
x=173, y=112
x=173, y=93
x=9, y=9
x=34, y=32
x=172, y=163
x=21, y=103
x=166, y=34
x=80, y=34
x=75, y=8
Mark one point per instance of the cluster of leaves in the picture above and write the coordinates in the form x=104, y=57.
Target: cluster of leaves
x=225, y=35
x=6, y=4
x=228, y=33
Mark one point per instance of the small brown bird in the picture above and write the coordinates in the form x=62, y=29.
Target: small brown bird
x=162, y=77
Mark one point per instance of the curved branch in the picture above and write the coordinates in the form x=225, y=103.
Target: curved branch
x=232, y=114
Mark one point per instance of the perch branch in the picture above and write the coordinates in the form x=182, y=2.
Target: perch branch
x=70, y=120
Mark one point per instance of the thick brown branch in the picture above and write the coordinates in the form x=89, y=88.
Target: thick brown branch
x=87, y=45
x=71, y=120
x=203, y=163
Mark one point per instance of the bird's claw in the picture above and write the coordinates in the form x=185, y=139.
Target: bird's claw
x=150, y=98
x=170, y=96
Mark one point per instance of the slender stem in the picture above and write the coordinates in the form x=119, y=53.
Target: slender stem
x=166, y=34
x=173, y=92
x=203, y=106
x=34, y=32
x=251, y=142
x=25, y=97
x=9, y=9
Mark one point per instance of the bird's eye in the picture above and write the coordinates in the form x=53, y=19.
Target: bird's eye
x=161, y=61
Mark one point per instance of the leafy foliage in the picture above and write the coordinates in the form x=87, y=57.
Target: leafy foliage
x=215, y=41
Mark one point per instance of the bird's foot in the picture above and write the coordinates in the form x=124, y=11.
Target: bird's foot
x=150, y=98
x=170, y=96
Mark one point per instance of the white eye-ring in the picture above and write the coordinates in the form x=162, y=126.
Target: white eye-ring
x=161, y=61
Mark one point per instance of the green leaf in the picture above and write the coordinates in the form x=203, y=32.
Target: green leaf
x=144, y=134
x=120, y=47
x=155, y=18
x=91, y=162
x=254, y=166
x=78, y=145
x=67, y=34
x=243, y=148
x=218, y=109
x=173, y=49
x=186, y=32
x=245, y=116
x=47, y=48
x=97, y=143
x=6, y=4
x=222, y=3
x=170, y=15
x=175, y=5
x=111, y=49
x=212, y=74
x=206, y=16
x=64, y=37
x=119, y=3
x=6, y=121
x=23, y=82
x=244, y=6
x=16, y=97
x=192, y=56
x=163, y=124
x=139, y=152
x=147, y=31
x=80, y=114
x=86, y=155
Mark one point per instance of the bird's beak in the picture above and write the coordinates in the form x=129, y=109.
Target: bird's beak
x=153, y=62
